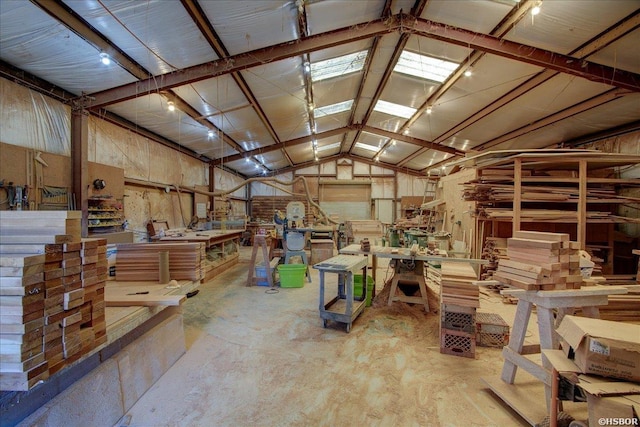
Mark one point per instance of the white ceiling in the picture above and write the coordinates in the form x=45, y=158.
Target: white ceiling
x=236, y=68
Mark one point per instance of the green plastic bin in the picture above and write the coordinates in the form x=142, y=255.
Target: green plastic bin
x=292, y=275
x=357, y=287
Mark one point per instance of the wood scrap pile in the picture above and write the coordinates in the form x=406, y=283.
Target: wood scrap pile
x=51, y=295
x=459, y=299
x=141, y=261
x=495, y=248
x=540, y=261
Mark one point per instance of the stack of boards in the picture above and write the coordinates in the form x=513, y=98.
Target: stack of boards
x=52, y=309
x=137, y=262
x=459, y=299
x=540, y=261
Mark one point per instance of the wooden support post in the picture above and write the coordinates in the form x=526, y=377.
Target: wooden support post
x=582, y=204
x=517, y=193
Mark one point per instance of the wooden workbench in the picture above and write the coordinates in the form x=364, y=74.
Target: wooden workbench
x=222, y=247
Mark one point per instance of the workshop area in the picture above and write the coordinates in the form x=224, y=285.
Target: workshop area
x=319, y=213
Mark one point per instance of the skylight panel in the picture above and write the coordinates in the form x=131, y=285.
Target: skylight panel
x=332, y=109
x=339, y=66
x=328, y=147
x=367, y=146
x=394, y=109
x=425, y=67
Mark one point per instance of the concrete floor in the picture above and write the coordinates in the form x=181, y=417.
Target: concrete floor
x=256, y=358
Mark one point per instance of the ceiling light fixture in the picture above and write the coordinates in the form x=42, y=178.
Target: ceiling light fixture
x=307, y=67
x=104, y=58
x=406, y=132
x=468, y=72
x=171, y=106
x=247, y=159
x=210, y=134
x=429, y=110
x=536, y=9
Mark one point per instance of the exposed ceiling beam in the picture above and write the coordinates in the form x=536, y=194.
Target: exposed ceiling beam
x=523, y=53
x=281, y=145
x=62, y=13
x=126, y=124
x=244, y=60
x=354, y=158
x=599, y=136
x=416, y=141
x=594, y=102
x=204, y=25
x=186, y=108
x=404, y=23
x=386, y=11
x=19, y=76
x=605, y=38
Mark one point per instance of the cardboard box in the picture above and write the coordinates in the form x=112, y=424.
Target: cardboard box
x=602, y=347
x=615, y=402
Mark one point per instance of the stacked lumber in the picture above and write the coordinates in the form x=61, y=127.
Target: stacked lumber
x=95, y=272
x=22, y=357
x=540, y=261
x=622, y=308
x=51, y=295
x=550, y=215
x=141, y=261
x=495, y=248
x=456, y=285
x=459, y=299
x=26, y=232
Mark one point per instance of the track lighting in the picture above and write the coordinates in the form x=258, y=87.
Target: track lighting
x=468, y=72
x=171, y=106
x=210, y=134
x=307, y=67
x=429, y=109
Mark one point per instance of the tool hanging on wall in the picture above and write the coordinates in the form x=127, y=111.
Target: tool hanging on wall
x=17, y=196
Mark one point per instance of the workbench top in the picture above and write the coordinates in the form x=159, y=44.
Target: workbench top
x=404, y=253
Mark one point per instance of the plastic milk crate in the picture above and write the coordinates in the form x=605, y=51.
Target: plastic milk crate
x=491, y=330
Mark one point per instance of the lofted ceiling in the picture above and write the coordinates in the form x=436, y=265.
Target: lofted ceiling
x=242, y=75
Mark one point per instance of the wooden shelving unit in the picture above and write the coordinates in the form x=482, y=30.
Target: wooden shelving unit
x=104, y=215
x=575, y=193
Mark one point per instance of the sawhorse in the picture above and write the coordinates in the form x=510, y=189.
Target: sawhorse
x=565, y=301
x=260, y=241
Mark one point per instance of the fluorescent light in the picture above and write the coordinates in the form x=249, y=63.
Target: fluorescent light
x=425, y=67
x=333, y=108
x=394, y=109
x=339, y=66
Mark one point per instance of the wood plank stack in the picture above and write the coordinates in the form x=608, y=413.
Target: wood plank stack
x=540, y=261
x=22, y=357
x=141, y=261
x=51, y=295
x=95, y=272
x=459, y=299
